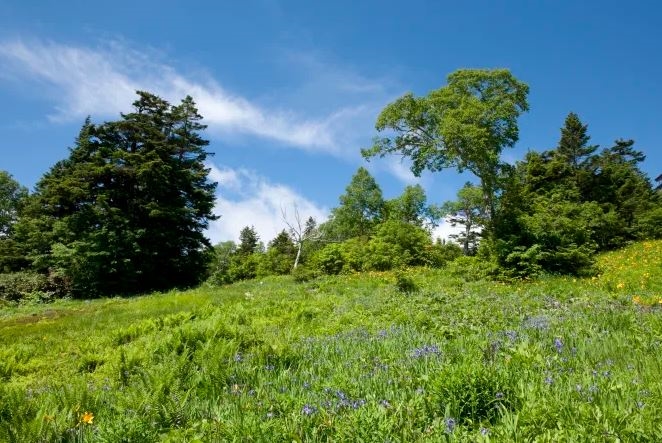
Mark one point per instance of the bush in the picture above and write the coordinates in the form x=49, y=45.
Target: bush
x=405, y=284
x=472, y=268
x=19, y=286
x=440, y=254
x=330, y=259
x=397, y=244
x=302, y=274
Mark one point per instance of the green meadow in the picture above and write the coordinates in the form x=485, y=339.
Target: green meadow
x=415, y=355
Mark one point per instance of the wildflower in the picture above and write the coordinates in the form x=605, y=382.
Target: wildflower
x=450, y=424
x=620, y=285
x=549, y=380
x=87, y=418
x=499, y=395
x=484, y=431
x=425, y=351
x=558, y=344
x=636, y=300
x=308, y=410
x=385, y=403
x=238, y=357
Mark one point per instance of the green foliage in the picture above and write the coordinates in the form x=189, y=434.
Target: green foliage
x=24, y=285
x=473, y=268
x=442, y=252
x=405, y=283
x=249, y=241
x=465, y=124
x=303, y=274
x=280, y=255
x=469, y=211
x=559, y=207
x=344, y=358
x=126, y=212
x=396, y=244
x=411, y=207
x=330, y=259
x=12, y=198
x=361, y=208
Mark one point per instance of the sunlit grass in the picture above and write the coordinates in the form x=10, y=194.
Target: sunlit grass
x=346, y=358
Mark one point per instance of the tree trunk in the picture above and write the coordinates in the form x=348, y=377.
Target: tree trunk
x=296, y=260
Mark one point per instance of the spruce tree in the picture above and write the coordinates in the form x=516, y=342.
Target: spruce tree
x=126, y=212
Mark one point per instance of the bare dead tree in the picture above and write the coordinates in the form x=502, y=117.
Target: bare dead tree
x=300, y=232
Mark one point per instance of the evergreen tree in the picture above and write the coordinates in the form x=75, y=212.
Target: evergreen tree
x=126, y=212
x=249, y=241
x=280, y=255
x=573, y=146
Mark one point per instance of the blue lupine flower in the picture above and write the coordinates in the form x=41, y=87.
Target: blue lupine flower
x=308, y=410
x=425, y=351
x=450, y=424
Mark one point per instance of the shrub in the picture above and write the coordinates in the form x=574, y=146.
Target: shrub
x=397, y=244
x=302, y=274
x=330, y=259
x=405, y=284
x=18, y=286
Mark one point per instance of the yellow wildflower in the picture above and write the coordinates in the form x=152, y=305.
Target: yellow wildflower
x=88, y=417
x=620, y=285
x=636, y=300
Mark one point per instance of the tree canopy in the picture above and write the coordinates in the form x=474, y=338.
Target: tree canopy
x=465, y=125
x=126, y=212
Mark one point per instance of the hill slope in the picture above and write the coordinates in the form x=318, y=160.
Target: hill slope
x=346, y=358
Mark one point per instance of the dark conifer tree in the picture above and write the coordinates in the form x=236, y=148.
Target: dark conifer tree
x=126, y=212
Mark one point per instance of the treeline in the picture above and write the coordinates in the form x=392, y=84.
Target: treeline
x=550, y=212
x=126, y=212
x=364, y=233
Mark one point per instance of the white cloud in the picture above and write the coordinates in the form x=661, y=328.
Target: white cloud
x=103, y=81
x=445, y=230
x=334, y=106
x=245, y=198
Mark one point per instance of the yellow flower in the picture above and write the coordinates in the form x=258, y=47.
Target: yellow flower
x=621, y=285
x=88, y=417
x=636, y=300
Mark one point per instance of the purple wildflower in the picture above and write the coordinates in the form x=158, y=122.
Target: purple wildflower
x=558, y=344
x=308, y=410
x=425, y=350
x=450, y=424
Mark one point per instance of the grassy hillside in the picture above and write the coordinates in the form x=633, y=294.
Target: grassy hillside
x=346, y=358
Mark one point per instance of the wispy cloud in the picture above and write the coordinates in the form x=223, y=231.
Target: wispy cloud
x=329, y=108
x=246, y=198
x=103, y=80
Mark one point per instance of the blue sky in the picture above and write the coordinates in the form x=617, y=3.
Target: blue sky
x=291, y=89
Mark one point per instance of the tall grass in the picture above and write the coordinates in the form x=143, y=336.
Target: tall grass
x=346, y=358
